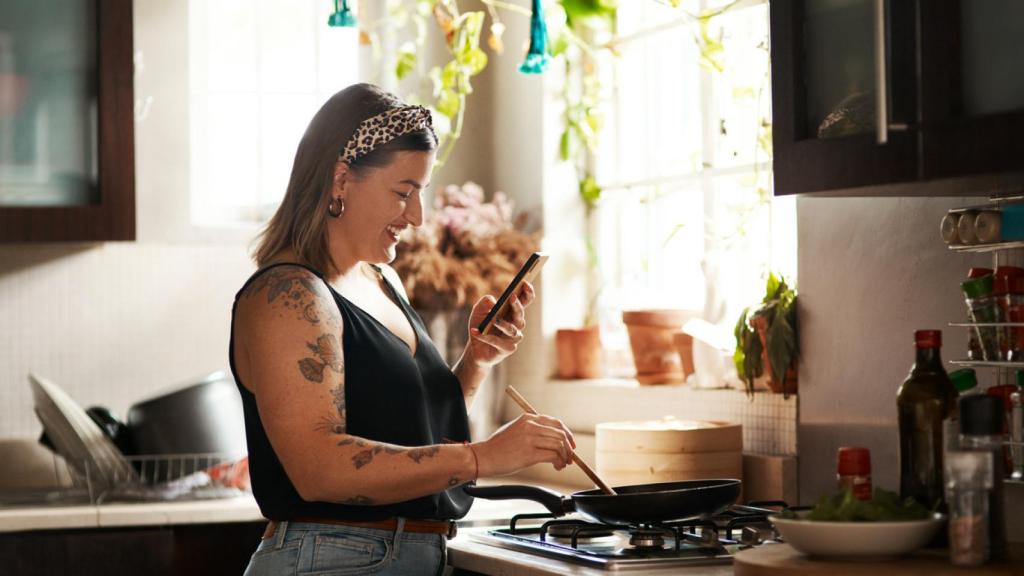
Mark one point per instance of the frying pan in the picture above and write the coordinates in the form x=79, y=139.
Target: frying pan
x=637, y=504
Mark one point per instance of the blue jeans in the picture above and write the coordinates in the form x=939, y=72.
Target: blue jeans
x=304, y=548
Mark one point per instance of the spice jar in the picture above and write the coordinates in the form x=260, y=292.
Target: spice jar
x=1008, y=290
x=973, y=346
x=983, y=309
x=1017, y=435
x=981, y=429
x=948, y=228
x=853, y=471
x=965, y=380
x=968, y=482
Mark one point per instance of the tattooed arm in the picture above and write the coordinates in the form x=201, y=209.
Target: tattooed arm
x=288, y=337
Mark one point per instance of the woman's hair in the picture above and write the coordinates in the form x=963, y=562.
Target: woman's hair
x=300, y=222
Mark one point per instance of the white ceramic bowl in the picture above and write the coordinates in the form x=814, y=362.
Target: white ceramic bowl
x=857, y=540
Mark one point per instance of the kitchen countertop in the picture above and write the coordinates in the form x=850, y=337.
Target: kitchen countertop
x=21, y=519
x=211, y=511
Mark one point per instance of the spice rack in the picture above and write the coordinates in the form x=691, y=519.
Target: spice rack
x=1004, y=367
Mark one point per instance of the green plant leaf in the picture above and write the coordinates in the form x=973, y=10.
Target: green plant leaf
x=590, y=191
x=448, y=103
x=772, y=287
x=475, y=60
x=559, y=45
x=781, y=341
x=565, y=145
x=406, y=61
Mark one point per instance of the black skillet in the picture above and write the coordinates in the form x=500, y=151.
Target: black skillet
x=638, y=504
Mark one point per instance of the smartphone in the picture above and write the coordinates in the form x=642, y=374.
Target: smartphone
x=526, y=273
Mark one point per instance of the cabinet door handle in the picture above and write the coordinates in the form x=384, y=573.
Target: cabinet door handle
x=881, y=75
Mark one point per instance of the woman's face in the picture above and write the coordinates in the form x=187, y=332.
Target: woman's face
x=381, y=204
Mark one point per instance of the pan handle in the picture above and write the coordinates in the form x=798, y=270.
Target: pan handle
x=553, y=501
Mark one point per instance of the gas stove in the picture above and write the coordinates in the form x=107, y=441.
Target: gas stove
x=697, y=541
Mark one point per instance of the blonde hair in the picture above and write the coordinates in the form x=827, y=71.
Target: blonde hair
x=300, y=222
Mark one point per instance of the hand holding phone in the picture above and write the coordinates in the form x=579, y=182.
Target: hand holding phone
x=527, y=273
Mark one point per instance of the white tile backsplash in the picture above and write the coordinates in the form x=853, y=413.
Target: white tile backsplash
x=111, y=323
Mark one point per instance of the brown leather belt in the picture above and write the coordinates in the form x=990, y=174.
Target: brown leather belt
x=445, y=527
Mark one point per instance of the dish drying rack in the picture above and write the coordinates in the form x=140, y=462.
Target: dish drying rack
x=156, y=478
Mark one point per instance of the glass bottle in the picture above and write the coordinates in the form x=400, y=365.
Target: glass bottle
x=968, y=482
x=925, y=400
x=981, y=428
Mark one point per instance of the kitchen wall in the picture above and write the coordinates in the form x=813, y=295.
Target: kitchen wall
x=872, y=270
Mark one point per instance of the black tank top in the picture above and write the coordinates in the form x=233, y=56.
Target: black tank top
x=391, y=396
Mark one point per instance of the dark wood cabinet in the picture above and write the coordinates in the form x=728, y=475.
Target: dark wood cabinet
x=182, y=550
x=49, y=85
x=946, y=101
x=972, y=87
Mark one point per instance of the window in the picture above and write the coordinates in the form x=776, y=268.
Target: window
x=258, y=71
x=687, y=218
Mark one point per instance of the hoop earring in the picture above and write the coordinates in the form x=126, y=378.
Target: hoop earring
x=336, y=208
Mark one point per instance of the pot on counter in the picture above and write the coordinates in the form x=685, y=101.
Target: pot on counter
x=201, y=418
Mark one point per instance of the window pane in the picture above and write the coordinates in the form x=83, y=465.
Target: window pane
x=687, y=219
x=283, y=121
x=259, y=71
x=226, y=159
x=287, y=46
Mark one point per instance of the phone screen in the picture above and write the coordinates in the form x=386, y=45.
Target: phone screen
x=527, y=273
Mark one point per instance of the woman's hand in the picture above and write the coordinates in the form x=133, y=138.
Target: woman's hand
x=525, y=441
x=486, y=350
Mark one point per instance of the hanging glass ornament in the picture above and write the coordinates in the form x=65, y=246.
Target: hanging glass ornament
x=343, y=16
x=537, y=57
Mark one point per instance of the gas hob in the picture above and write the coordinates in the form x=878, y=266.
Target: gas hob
x=694, y=542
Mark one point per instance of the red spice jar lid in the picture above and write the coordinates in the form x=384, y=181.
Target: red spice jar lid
x=978, y=272
x=1005, y=279
x=928, y=338
x=853, y=461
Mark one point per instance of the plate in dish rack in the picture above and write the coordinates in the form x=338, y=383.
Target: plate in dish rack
x=77, y=438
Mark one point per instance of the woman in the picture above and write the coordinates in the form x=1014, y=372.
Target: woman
x=357, y=430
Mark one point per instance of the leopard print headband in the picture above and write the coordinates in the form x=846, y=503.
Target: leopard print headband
x=385, y=127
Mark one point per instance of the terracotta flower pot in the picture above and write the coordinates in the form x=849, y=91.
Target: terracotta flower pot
x=789, y=383
x=579, y=352
x=650, y=337
x=683, y=343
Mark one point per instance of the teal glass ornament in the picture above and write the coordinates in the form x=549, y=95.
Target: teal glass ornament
x=342, y=17
x=537, y=57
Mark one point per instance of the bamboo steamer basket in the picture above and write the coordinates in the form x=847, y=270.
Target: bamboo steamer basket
x=668, y=450
x=669, y=436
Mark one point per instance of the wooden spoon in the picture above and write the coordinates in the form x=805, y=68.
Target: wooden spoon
x=519, y=399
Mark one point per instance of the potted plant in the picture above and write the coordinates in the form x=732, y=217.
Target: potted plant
x=579, y=352
x=767, y=343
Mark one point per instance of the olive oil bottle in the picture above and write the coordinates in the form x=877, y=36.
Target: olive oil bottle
x=925, y=400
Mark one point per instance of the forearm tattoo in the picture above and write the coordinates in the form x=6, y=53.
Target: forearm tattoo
x=359, y=501
x=371, y=449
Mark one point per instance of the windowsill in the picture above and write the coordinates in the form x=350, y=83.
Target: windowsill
x=623, y=384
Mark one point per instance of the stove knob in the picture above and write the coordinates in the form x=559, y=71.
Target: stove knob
x=708, y=536
x=750, y=536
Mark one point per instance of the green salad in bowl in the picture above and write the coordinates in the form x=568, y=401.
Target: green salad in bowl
x=843, y=526
x=884, y=506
